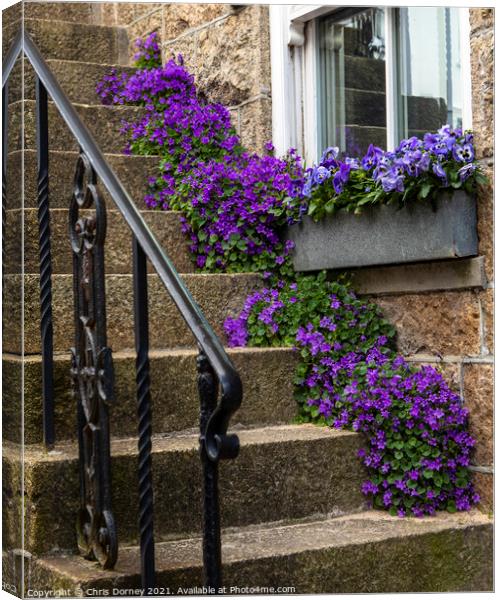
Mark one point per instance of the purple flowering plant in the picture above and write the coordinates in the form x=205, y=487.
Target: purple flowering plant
x=350, y=376
x=233, y=202
x=417, y=170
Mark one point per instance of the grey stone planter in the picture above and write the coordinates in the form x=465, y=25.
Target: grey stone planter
x=385, y=235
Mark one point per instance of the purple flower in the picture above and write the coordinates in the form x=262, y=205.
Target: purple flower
x=463, y=153
x=320, y=174
x=341, y=177
x=466, y=171
x=440, y=172
x=371, y=158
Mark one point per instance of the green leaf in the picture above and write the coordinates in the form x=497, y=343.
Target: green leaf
x=424, y=190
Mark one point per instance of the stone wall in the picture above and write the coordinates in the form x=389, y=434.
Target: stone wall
x=478, y=374
x=225, y=46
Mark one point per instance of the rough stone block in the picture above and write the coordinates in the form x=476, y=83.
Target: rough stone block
x=480, y=19
x=231, y=60
x=482, y=92
x=9, y=31
x=485, y=218
x=478, y=396
x=129, y=12
x=179, y=18
x=484, y=486
x=486, y=300
x=438, y=323
x=187, y=46
x=255, y=124
x=152, y=21
x=106, y=13
x=12, y=516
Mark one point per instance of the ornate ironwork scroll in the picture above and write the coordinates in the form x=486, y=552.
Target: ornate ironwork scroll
x=92, y=368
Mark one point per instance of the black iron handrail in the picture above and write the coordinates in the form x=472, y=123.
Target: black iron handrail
x=214, y=366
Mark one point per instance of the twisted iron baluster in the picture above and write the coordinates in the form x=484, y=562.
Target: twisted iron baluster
x=45, y=263
x=212, y=563
x=145, y=419
x=92, y=370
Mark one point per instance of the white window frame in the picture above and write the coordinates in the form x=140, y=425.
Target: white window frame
x=294, y=77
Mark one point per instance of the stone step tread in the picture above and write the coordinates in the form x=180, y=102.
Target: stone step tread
x=272, y=479
x=133, y=171
x=218, y=296
x=77, y=79
x=165, y=225
x=74, y=12
x=77, y=41
x=309, y=546
x=266, y=373
x=187, y=441
x=161, y=353
x=104, y=123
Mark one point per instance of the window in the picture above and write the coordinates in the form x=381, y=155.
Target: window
x=349, y=77
x=351, y=49
x=429, y=69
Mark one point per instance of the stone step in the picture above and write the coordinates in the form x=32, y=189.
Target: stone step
x=282, y=472
x=218, y=296
x=104, y=122
x=369, y=552
x=427, y=113
x=266, y=373
x=363, y=73
x=365, y=108
x=118, y=248
x=133, y=172
x=74, y=12
x=77, y=79
x=368, y=109
x=74, y=41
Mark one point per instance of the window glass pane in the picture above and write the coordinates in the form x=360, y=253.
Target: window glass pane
x=429, y=71
x=352, y=100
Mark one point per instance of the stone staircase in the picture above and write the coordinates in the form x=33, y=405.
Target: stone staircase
x=292, y=512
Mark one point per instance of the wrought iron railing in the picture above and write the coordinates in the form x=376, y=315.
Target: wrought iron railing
x=92, y=365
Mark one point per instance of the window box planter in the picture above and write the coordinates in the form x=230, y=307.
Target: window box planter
x=385, y=235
